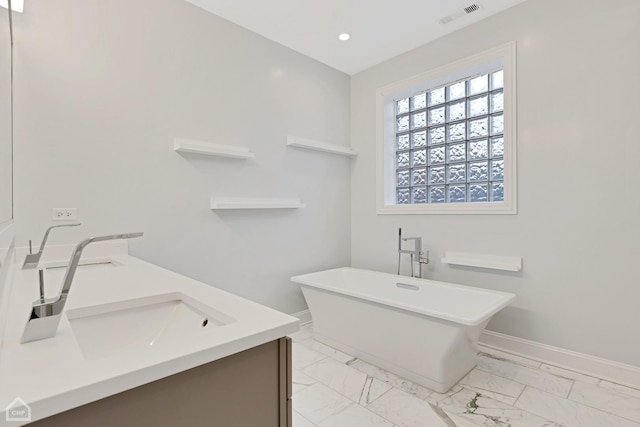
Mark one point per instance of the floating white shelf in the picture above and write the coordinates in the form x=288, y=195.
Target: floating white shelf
x=184, y=145
x=483, y=261
x=320, y=146
x=242, y=203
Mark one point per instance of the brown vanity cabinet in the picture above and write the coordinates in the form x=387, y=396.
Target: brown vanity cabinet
x=248, y=389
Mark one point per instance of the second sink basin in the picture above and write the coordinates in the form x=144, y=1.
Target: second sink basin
x=134, y=325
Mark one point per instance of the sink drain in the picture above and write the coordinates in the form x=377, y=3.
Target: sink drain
x=205, y=322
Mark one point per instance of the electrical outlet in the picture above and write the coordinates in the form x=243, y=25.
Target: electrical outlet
x=63, y=214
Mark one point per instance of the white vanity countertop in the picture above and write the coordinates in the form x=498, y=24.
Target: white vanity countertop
x=52, y=375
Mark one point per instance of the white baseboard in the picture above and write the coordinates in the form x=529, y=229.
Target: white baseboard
x=583, y=363
x=304, y=316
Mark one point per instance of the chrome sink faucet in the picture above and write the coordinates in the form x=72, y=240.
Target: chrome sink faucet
x=32, y=260
x=417, y=256
x=46, y=312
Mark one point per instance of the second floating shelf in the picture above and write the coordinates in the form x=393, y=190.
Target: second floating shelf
x=184, y=145
x=249, y=203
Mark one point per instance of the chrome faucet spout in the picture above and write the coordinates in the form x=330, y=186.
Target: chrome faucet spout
x=32, y=260
x=416, y=254
x=46, y=312
x=77, y=253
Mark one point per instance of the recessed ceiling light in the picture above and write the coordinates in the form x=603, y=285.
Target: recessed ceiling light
x=344, y=37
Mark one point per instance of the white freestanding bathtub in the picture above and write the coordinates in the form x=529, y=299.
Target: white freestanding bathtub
x=422, y=330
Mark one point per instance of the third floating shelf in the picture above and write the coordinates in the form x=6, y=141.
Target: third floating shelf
x=326, y=147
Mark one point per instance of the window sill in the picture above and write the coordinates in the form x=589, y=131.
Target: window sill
x=449, y=209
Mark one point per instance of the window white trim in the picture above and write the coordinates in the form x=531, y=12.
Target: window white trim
x=504, y=56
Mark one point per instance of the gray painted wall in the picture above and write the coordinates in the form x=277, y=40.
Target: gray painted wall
x=102, y=87
x=578, y=150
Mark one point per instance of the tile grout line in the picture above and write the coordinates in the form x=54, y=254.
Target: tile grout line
x=519, y=366
x=375, y=413
x=446, y=396
x=607, y=411
x=504, y=378
x=481, y=390
x=619, y=385
x=306, y=419
x=339, y=412
x=528, y=385
x=314, y=363
x=571, y=371
x=573, y=382
x=583, y=404
x=515, y=362
x=362, y=391
x=378, y=415
x=364, y=387
x=442, y=414
x=519, y=396
x=533, y=413
x=369, y=404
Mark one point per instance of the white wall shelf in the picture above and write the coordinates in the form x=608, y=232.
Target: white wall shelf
x=483, y=261
x=245, y=203
x=326, y=147
x=184, y=145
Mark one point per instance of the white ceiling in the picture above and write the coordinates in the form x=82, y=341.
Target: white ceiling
x=379, y=29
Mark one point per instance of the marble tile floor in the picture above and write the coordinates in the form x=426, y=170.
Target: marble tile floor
x=333, y=389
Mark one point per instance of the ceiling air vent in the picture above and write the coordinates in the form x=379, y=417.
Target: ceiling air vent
x=460, y=13
x=472, y=8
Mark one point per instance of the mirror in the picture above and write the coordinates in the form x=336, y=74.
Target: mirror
x=6, y=167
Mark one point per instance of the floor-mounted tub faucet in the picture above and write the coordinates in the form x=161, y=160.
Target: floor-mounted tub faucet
x=417, y=256
x=45, y=313
x=32, y=260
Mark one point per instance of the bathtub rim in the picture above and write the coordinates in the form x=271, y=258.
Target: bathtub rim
x=488, y=312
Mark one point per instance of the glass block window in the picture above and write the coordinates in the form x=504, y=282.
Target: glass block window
x=446, y=138
x=449, y=143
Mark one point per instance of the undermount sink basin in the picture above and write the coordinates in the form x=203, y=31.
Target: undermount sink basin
x=135, y=325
